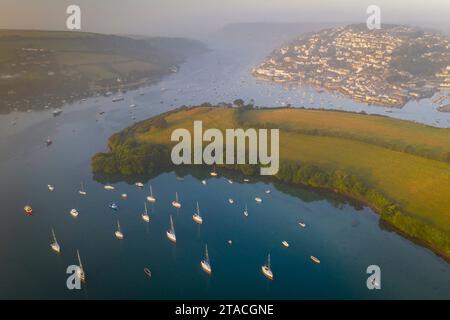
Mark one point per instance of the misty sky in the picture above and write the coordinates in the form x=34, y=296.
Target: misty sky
x=201, y=17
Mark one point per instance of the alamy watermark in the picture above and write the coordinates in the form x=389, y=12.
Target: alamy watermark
x=374, y=280
x=235, y=146
x=73, y=21
x=374, y=19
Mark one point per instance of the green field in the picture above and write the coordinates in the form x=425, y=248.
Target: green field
x=416, y=188
x=60, y=64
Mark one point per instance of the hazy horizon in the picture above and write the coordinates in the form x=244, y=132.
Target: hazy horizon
x=198, y=18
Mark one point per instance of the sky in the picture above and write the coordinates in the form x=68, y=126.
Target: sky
x=202, y=17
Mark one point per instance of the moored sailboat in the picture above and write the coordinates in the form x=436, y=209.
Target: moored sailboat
x=176, y=203
x=266, y=269
x=81, y=191
x=80, y=272
x=171, y=232
x=118, y=233
x=54, y=245
x=145, y=215
x=151, y=198
x=196, y=216
x=205, y=263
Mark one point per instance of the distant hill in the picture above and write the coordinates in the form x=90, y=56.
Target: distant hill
x=46, y=67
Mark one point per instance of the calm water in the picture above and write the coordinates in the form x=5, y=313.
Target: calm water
x=346, y=239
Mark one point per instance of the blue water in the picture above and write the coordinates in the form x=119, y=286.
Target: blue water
x=346, y=238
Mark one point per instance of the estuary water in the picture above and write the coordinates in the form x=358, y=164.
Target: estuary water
x=347, y=238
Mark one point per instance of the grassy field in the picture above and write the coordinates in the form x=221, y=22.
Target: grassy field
x=352, y=154
x=60, y=64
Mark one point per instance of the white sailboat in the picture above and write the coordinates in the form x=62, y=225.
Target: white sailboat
x=151, y=198
x=246, y=211
x=54, y=245
x=176, y=203
x=205, y=264
x=266, y=270
x=80, y=272
x=118, y=233
x=145, y=215
x=171, y=232
x=81, y=191
x=196, y=216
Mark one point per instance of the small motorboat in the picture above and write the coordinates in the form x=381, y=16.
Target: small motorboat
x=109, y=187
x=315, y=260
x=246, y=180
x=204, y=182
x=258, y=199
x=148, y=272
x=230, y=242
x=246, y=211
x=230, y=181
x=117, y=99
x=285, y=244
x=74, y=213
x=48, y=142
x=302, y=224
x=231, y=201
x=57, y=112
x=267, y=191
x=139, y=184
x=114, y=206
x=50, y=188
x=28, y=210
x=132, y=105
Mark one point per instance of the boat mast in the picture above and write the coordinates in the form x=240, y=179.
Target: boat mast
x=151, y=191
x=206, y=253
x=118, y=225
x=176, y=196
x=54, y=237
x=198, y=210
x=172, y=229
x=79, y=260
x=145, y=206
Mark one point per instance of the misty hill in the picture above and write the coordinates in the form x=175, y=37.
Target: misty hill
x=46, y=67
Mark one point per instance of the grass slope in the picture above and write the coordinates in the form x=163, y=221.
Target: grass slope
x=357, y=144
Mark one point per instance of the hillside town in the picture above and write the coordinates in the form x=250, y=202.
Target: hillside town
x=386, y=67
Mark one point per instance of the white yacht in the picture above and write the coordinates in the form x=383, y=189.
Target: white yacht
x=139, y=184
x=54, y=245
x=266, y=270
x=80, y=273
x=74, y=213
x=118, y=233
x=145, y=215
x=171, y=232
x=82, y=191
x=176, y=203
x=151, y=198
x=205, y=264
x=196, y=216
x=315, y=260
